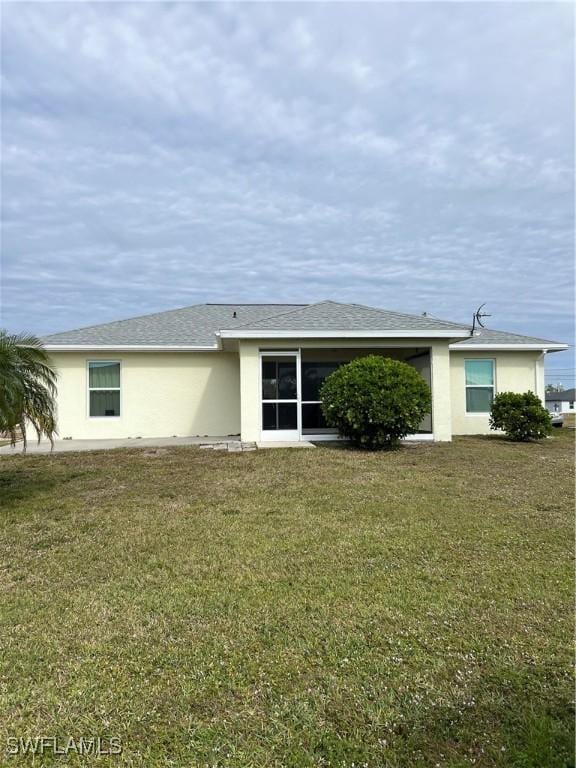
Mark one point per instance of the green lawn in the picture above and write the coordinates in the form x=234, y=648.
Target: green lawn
x=291, y=607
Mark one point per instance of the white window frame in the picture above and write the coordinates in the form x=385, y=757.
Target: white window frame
x=103, y=389
x=479, y=386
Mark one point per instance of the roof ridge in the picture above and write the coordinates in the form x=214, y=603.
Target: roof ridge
x=408, y=314
x=299, y=308
x=249, y=304
x=378, y=310
x=374, y=312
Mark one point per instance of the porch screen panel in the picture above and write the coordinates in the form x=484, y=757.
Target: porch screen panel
x=314, y=374
x=278, y=379
x=279, y=393
x=312, y=416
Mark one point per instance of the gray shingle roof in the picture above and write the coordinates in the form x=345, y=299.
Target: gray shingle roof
x=334, y=316
x=488, y=336
x=189, y=326
x=568, y=395
x=198, y=325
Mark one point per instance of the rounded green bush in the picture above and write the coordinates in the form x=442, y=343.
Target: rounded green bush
x=374, y=401
x=520, y=415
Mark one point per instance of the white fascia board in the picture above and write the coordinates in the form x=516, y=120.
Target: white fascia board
x=421, y=334
x=509, y=347
x=129, y=348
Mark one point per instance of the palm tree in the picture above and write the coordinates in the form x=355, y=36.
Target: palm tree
x=27, y=387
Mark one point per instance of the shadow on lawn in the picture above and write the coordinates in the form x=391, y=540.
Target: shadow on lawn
x=23, y=481
x=344, y=445
x=506, y=442
x=514, y=731
x=502, y=734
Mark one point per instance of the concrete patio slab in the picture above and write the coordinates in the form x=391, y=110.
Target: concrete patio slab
x=286, y=444
x=69, y=446
x=232, y=445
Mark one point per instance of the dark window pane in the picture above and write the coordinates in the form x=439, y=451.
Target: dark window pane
x=478, y=399
x=269, y=416
x=312, y=416
x=279, y=416
x=426, y=424
x=268, y=380
x=286, y=380
x=288, y=416
x=105, y=403
x=313, y=376
x=279, y=379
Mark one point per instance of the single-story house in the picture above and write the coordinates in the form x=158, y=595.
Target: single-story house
x=256, y=370
x=561, y=402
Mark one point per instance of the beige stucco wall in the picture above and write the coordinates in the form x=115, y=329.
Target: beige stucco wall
x=515, y=372
x=218, y=393
x=441, y=392
x=162, y=394
x=250, y=401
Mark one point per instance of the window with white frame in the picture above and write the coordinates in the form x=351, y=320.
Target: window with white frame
x=479, y=385
x=103, y=388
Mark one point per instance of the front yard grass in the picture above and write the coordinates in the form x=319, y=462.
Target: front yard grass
x=291, y=608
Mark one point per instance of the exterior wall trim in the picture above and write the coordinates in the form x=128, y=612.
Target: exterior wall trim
x=319, y=334
x=129, y=348
x=507, y=347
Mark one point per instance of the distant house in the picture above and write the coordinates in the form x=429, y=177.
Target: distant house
x=561, y=402
x=257, y=370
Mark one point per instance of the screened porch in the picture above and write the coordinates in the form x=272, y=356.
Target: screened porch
x=291, y=381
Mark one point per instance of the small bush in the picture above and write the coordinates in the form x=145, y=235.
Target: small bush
x=375, y=401
x=520, y=415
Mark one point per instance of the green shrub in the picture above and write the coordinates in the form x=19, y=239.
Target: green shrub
x=375, y=401
x=520, y=415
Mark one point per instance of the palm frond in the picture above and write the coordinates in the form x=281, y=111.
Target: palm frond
x=27, y=387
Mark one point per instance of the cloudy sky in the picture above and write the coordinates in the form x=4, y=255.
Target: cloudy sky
x=410, y=156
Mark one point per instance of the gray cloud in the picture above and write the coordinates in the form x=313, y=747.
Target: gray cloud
x=411, y=156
